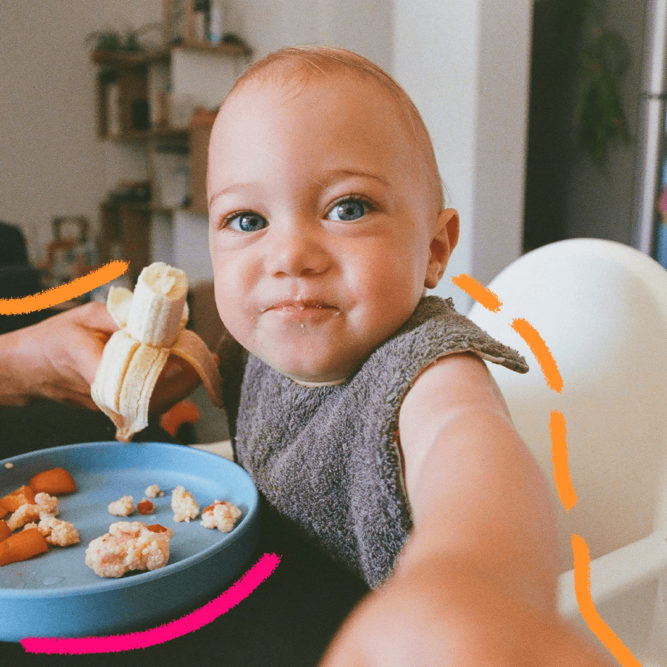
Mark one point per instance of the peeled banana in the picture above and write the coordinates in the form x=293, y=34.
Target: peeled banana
x=151, y=324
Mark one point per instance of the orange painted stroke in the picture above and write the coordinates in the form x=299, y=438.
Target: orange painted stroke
x=542, y=353
x=566, y=493
x=582, y=589
x=483, y=295
x=61, y=293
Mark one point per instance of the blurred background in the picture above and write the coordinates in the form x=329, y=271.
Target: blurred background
x=535, y=110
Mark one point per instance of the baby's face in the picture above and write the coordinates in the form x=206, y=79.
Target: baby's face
x=319, y=226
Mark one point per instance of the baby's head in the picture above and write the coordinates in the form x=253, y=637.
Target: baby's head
x=326, y=211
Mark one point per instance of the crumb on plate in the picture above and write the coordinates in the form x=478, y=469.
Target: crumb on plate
x=48, y=502
x=222, y=515
x=153, y=491
x=57, y=532
x=44, y=504
x=128, y=546
x=122, y=507
x=184, y=505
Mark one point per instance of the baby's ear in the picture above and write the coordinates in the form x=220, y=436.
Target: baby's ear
x=443, y=241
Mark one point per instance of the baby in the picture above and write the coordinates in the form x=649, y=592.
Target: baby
x=362, y=408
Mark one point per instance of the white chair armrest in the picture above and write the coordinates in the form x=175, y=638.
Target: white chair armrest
x=221, y=448
x=617, y=572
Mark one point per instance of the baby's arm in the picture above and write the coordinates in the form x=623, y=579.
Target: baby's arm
x=476, y=582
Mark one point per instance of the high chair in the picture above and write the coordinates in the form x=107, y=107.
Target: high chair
x=601, y=309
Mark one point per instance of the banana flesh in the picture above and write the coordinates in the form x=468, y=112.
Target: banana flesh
x=152, y=323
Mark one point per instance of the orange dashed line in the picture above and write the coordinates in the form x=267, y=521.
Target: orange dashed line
x=566, y=493
x=561, y=471
x=542, y=353
x=483, y=295
x=61, y=293
x=582, y=589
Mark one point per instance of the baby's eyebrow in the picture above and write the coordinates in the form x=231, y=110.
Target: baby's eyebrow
x=324, y=179
x=234, y=187
x=332, y=175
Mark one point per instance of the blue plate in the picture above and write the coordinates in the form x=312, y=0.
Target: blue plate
x=56, y=595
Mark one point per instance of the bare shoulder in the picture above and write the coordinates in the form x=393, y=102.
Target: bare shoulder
x=455, y=384
x=474, y=487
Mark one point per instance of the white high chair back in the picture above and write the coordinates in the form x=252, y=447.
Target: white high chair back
x=601, y=308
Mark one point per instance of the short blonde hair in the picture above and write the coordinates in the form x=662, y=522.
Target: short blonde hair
x=298, y=63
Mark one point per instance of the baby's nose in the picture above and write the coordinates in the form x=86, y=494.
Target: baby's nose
x=296, y=251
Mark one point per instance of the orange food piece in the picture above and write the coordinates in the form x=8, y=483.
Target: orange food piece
x=4, y=511
x=23, y=545
x=183, y=412
x=156, y=528
x=5, y=530
x=55, y=481
x=12, y=501
x=145, y=507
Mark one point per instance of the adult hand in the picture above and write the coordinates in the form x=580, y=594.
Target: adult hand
x=57, y=359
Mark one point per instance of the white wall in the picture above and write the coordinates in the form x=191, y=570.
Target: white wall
x=465, y=64
x=362, y=25
x=49, y=153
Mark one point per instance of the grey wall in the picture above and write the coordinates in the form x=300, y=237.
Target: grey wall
x=567, y=195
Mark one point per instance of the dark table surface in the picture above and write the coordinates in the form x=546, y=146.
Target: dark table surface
x=290, y=618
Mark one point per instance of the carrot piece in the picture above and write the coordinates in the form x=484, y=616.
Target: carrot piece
x=55, y=481
x=12, y=501
x=145, y=506
x=5, y=530
x=23, y=545
x=4, y=511
x=156, y=528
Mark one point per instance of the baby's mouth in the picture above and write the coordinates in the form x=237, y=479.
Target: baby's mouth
x=302, y=310
x=299, y=305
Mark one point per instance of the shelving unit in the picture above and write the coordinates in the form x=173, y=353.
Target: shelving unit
x=161, y=101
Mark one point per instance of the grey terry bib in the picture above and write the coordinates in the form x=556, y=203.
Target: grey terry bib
x=326, y=458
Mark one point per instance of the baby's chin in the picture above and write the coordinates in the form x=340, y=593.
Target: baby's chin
x=310, y=376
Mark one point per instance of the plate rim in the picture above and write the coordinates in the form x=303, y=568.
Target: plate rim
x=140, y=577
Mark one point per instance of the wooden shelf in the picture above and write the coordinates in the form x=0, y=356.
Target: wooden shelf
x=153, y=133
x=231, y=48
x=130, y=59
x=142, y=58
x=141, y=206
x=139, y=90
x=148, y=207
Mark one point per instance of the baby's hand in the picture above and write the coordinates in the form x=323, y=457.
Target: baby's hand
x=447, y=614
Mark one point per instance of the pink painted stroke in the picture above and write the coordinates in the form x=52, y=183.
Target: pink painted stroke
x=237, y=592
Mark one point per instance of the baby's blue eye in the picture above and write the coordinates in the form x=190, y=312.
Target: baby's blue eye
x=348, y=210
x=246, y=222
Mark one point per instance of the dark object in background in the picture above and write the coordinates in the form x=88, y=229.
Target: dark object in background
x=17, y=277
x=140, y=115
x=12, y=245
x=44, y=423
